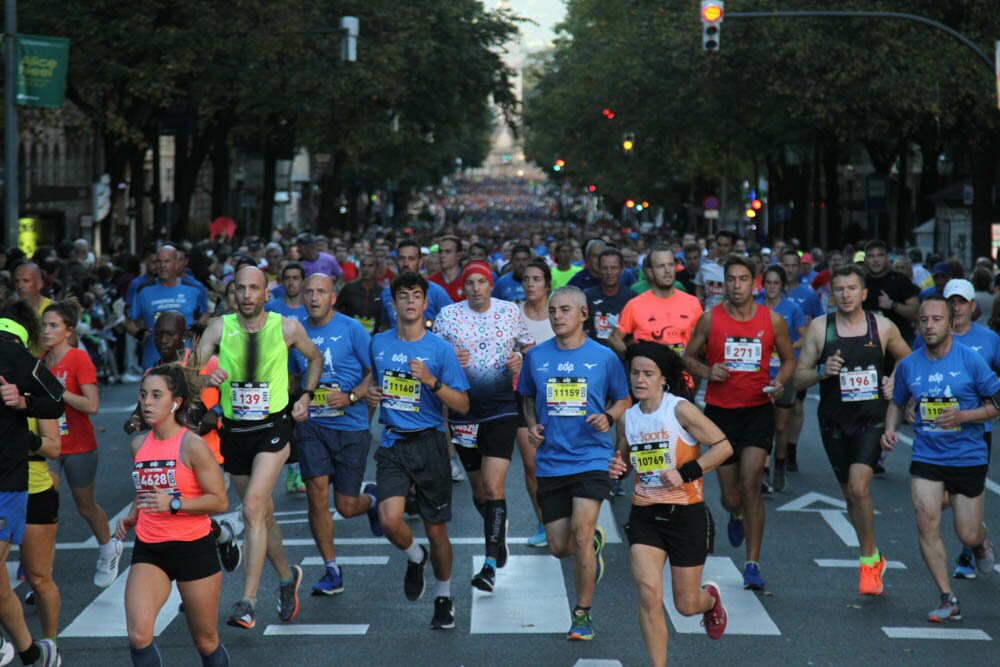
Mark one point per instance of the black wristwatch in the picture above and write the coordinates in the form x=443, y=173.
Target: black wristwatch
x=175, y=505
x=437, y=385
x=312, y=394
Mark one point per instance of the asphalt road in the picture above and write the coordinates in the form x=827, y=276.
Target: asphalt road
x=811, y=613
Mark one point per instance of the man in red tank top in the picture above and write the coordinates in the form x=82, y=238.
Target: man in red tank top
x=737, y=338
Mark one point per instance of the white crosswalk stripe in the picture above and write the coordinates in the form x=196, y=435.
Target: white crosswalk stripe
x=530, y=597
x=105, y=616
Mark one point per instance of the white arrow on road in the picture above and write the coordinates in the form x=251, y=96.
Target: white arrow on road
x=833, y=514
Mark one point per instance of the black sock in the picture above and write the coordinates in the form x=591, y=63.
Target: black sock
x=480, y=507
x=30, y=655
x=146, y=657
x=217, y=658
x=495, y=522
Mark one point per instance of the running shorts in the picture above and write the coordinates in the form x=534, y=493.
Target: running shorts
x=241, y=441
x=421, y=460
x=556, y=494
x=969, y=481
x=685, y=532
x=744, y=427
x=861, y=444
x=43, y=507
x=339, y=455
x=494, y=438
x=181, y=561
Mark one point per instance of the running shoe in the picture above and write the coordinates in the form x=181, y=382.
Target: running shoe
x=879, y=468
x=765, y=483
x=20, y=572
x=373, y=522
x=293, y=482
x=330, y=583
x=792, y=458
x=107, y=568
x=965, y=565
x=600, y=537
x=735, y=530
x=288, y=596
x=715, y=619
x=619, y=489
x=870, y=577
x=129, y=378
x=581, y=627
x=457, y=474
x=229, y=550
x=539, y=539
x=502, y=547
x=242, y=615
x=7, y=652
x=985, y=560
x=444, y=613
x=29, y=598
x=948, y=610
x=485, y=580
x=780, y=481
x=413, y=582
x=50, y=653
x=751, y=577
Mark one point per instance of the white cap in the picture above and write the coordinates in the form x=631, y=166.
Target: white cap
x=765, y=251
x=960, y=287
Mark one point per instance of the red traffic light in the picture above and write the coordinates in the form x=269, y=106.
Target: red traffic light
x=608, y=113
x=591, y=188
x=560, y=163
x=629, y=203
x=711, y=11
x=756, y=205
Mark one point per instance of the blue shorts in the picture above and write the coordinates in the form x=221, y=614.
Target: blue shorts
x=339, y=455
x=13, y=513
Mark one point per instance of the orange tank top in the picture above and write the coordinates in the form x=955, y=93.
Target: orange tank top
x=158, y=466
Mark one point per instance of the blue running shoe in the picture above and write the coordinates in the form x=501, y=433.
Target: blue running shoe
x=582, y=627
x=965, y=565
x=600, y=537
x=751, y=577
x=331, y=583
x=735, y=530
x=373, y=521
x=538, y=539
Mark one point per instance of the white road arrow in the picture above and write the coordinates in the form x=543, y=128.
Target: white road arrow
x=832, y=513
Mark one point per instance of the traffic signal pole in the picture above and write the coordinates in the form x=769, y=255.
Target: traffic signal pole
x=10, y=143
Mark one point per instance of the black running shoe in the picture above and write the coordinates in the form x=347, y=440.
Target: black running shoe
x=444, y=614
x=413, y=583
x=485, y=580
x=229, y=551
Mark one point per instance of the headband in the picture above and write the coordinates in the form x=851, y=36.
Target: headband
x=10, y=326
x=477, y=267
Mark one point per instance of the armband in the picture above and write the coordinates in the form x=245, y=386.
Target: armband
x=35, y=443
x=690, y=471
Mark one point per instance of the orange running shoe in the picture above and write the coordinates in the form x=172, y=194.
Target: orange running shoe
x=870, y=582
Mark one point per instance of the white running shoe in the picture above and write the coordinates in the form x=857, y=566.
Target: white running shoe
x=7, y=652
x=107, y=568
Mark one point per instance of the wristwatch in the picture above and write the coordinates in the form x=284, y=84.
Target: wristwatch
x=175, y=505
x=437, y=385
x=352, y=398
x=312, y=394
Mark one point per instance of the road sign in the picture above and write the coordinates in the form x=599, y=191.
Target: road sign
x=711, y=202
x=711, y=214
x=996, y=60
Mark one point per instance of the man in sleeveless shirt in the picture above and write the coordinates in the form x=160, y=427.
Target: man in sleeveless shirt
x=256, y=426
x=737, y=337
x=845, y=352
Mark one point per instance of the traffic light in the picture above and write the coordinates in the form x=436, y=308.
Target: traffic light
x=559, y=165
x=628, y=142
x=756, y=204
x=629, y=203
x=712, y=12
x=608, y=113
x=591, y=188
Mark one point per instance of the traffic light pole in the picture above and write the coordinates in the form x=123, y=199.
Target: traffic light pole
x=10, y=144
x=837, y=13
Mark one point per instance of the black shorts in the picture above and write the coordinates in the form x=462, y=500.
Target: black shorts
x=494, y=438
x=339, y=455
x=800, y=395
x=744, y=427
x=969, y=481
x=43, y=507
x=556, y=494
x=685, y=532
x=861, y=444
x=988, y=439
x=786, y=399
x=181, y=561
x=423, y=462
x=241, y=441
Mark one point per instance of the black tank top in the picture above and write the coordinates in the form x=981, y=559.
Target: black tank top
x=855, y=396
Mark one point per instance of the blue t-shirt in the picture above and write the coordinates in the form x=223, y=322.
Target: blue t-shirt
x=344, y=345
x=805, y=298
x=794, y=319
x=981, y=340
x=929, y=292
x=508, y=288
x=960, y=379
x=437, y=298
x=279, y=306
x=572, y=445
x=411, y=405
x=133, y=287
x=154, y=298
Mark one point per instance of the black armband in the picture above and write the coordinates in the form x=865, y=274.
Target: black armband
x=690, y=471
x=35, y=442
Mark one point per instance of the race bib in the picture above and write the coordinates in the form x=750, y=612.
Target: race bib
x=775, y=361
x=368, y=323
x=932, y=408
x=860, y=384
x=742, y=355
x=251, y=400
x=566, y=397
x=464, y=435
x=604, y=324
x=649, y=460
x=156, y=475
x=400, y=391
x=63, y=426
x=319, y=407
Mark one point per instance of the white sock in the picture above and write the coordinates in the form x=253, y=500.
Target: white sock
x=224, y=534
x=106, y=550
x=442, y=588
x=414, y=553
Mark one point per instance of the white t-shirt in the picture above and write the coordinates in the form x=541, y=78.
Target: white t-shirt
x=540, y=330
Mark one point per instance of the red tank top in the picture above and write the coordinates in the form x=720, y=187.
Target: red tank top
x=745, y=348
x=158, y=466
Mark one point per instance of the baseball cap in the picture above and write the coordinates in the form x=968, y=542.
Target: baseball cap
x=305, y=238
x=807, y=258
x=959, y=287
x=941, y=267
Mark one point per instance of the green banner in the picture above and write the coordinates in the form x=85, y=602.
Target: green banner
x=41, y=70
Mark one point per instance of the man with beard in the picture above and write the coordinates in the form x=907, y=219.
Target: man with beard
x=290, y=304
x=606, y=300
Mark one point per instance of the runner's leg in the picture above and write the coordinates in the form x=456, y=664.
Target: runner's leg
x=860, y=507
x=320, y=521
x=968, y=518
x=927, y=496
x=528, y=452
x=201, y=608
x=146, y=591
x=647, y=573
x=11, y=612
x=751, y=470
x=38, y=552
x=583, y=522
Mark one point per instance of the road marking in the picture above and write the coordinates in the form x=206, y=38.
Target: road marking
x=91, y=542
x=530, y=597
x=12, y=574
x=348, y=560
x=316, y=629
x=993, y=486
x=853, y=563
x=841, y=526
x=346, y=541
x=105, y=616
x=747, y=615
x=924, y=632
x=117, y=409
x=591, y=662
x=607, y=519
x=803, y=502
